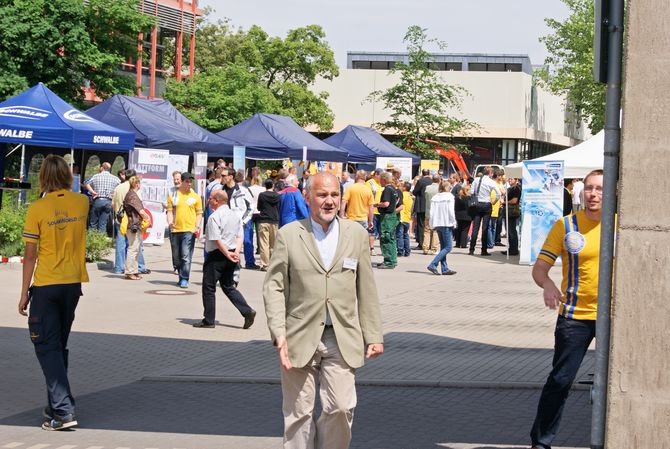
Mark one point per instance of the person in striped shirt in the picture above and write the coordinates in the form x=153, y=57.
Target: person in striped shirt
x=576, y=239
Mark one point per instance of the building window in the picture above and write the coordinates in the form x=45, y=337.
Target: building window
x=512, y=67
x=495, y=67
x=360, y=64
x=379, y=65
x=455, y=66
x=477, y=67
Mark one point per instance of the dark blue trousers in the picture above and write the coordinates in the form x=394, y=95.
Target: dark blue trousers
x=219, y=269
x=572, y=339
x=50, y=320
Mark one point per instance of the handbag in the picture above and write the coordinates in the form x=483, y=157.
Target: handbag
x=123, y=226
x=514, y=210
x=120, y=214
x=471, y=200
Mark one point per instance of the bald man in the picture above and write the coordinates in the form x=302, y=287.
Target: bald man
x=101, y=187
x=322, y=327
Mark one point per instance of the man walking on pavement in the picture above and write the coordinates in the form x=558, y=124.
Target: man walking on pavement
x=223, y=246
x=576, y=238
x=184, y=216
x=101, y=187
x=323, y=314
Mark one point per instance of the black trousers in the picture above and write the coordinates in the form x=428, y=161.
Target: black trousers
x=481, y=218
x=419, y=228
x=220, y=269
x=461, y=234
x=50, y=320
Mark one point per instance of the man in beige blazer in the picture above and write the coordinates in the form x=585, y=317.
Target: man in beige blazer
x=324, y=318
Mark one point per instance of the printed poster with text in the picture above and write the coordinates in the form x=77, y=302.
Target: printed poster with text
x=152, y=167
x=403, y=163
x=541, y=205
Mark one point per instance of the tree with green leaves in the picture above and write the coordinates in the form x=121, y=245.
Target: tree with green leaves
x=68, y=45
x=254, y=73
x=569, y=70
x=420, y=103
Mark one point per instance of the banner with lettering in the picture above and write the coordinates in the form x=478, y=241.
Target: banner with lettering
x=152, y=166
x=541, y=205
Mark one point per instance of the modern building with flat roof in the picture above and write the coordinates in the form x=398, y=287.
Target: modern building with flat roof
x=517, y=119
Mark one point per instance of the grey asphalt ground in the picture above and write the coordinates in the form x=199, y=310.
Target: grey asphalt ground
x=465, y=359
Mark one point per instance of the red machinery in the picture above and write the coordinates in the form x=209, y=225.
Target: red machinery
x=452, y=155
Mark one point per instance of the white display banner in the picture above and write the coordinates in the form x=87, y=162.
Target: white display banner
x=541, y=205
x=152, y=166
x=402, y=163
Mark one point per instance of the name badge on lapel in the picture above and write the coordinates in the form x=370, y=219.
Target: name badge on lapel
x=350, y=264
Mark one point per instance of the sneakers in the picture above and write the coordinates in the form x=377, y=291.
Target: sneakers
x=433, y=270
x=203, y=325
x=183, y=283
x=449, y=273
x=59, y=423
x=372, y=252
x=249, y=319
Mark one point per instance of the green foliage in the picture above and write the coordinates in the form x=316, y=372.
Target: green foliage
x=570, y=57
x=11, y=230
x=68, y=45
x=420, y=102
x=240, y=73
x=98, y=245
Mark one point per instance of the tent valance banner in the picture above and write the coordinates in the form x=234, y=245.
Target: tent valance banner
x=39, y=117
x=402, y=163
x=541, y=205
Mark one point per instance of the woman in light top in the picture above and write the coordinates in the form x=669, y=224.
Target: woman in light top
x=443, y=220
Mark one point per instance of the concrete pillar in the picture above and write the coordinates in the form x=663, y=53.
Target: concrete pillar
x=638, y=411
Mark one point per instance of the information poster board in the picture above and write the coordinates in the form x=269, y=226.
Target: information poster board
x=541, y=205
x=334, y=168
x=152, y=166
x=200, y=173
x=433, y=165
x=239, y=155
x=402, y=163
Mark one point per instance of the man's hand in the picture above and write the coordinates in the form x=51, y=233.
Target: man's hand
x=370, y=225
x=552, y=295
x=233, y=256
x=374, y=350
x=282, y=351
x=23, y=303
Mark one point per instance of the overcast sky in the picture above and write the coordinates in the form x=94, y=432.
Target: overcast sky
x=467, y=26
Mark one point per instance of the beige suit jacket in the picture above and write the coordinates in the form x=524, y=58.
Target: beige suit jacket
x=298, y=290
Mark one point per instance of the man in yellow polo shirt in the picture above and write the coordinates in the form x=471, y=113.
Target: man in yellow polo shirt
x=184, y=214
x=54, y=260
x=576, y=238
x=357, y=202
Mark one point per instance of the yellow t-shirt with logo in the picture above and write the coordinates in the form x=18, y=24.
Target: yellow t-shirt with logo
x=406, y=212
x=576, y=239
x=376, y=190
x=359, y=199
x=57, y=224
x=188, y=207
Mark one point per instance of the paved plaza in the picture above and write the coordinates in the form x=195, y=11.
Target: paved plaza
x=465, y=359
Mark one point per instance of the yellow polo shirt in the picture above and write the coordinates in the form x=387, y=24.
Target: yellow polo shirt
x=57, y=224
x=406, y=212
x=576, y=239
x=188, y=207
x=359, y=199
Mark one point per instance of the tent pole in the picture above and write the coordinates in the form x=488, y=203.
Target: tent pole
x=22, y=172
x=15, y=148
x=71, y=159
x=507, y=221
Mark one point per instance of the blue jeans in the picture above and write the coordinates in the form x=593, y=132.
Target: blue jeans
x=121, y=249
x=249, y=257
x=51, y=315
x=402, y=239
x=572, y=339
x=182, y=250
x=446, y=243
x=100, y=212
x=493, y=224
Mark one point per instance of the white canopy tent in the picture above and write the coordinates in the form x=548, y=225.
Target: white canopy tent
x=578, y=160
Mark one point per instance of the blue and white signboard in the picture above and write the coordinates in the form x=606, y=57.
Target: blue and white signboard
x=541, y=205
x=239, y=154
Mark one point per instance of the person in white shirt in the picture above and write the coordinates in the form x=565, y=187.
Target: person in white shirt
x=577, y=195
x=482, y=188
x=443, y=221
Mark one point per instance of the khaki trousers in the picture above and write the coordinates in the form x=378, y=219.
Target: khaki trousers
x=267, y=233
x=430, y=239
x=337, y=392
x=133, y=251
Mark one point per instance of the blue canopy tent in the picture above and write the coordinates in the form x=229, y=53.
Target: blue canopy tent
x=365, y=145
x=40, y=118
x=157, y=124
x=283, y=137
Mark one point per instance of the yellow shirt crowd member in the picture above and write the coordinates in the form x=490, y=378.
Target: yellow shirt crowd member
x=495, y=200
x=359, y=199
x=57, y=224
x=576, y=239
x=406, y=212
x=376, y=190
x=186, y=207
